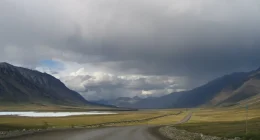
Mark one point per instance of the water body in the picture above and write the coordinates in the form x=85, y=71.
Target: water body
x=53, y=114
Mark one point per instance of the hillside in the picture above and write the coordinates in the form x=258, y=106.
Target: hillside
x=24, y=86
x=252, y=102
x=227, y=90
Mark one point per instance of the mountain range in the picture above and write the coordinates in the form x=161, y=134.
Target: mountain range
x=24, y=86
x=228, y=90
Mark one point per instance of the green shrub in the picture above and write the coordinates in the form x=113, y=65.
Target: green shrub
x=251, y=137
x=45, y=125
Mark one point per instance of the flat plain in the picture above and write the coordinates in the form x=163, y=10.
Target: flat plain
x=224, y=122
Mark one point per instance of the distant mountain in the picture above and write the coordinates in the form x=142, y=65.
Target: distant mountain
x=21, y=85
x=120, y=102
x=224, y=91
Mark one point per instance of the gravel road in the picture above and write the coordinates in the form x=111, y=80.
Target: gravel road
x=109, y=133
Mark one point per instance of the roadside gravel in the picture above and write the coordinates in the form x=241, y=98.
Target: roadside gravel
x=172, y=133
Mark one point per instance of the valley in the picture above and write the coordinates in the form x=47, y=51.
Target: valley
x=221, y=122
x=215, y=109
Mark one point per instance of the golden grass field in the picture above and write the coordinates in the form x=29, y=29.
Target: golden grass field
x=223, y=114
x=224, y=122
x=14, y=122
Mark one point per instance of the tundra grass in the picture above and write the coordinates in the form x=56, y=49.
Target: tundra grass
x=25, y=107
x=168, y=120
x=15, y=122
x=225, y=123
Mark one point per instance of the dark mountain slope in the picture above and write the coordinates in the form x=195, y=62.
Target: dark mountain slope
x=202, y=95
x=250, y=88
x=20, y=85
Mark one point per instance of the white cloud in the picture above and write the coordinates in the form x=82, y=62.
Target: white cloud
x=102, y=85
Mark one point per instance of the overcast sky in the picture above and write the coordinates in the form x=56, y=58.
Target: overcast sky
x=111, y=48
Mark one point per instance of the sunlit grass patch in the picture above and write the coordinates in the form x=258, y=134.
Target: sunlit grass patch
x=224, y=122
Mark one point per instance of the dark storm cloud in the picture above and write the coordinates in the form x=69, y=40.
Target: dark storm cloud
x=199, y=40
x=194, y=39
